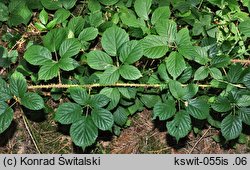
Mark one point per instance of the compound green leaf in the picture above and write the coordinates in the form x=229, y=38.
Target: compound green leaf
x=99, y=60
x=6, y=118
x=88, y=34
x=112, y=39
x=175, y=64
x=18, y=84
x=198, y=108
x=68, y=113
x=130, y=52
x=79, y=95
x=110, y=76
x=48, y=71
x=161, y=13
x=164, y=110
x=154, y=46
x=32, y=101
x=221, y=104
x=102, y=118
x=180, y=126
x=142, y=8
x=231, y=126
x=84, y=132
x=38, y=55
x=129, y=72
x=69, y=47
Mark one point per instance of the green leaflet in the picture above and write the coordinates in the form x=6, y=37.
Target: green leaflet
x=38, y=55
x=164, y=110
x=54, y=38
x=175, y=64
x=68, y=64
x=142, y=8
x=201, y=73
x=167, y=29
x=221, y=104
x=130, y=52
x=215, y=73
x=32, y=101
x=99, y=60
x=245, y=27
x=110, y=75
x=4, y=13
x=98, y=100
x=102, y=118
x=18, y=85
x=61, y=15
x=84, y=132
x=76, y=25
x=129, y=72
x=4, y=91
x=48, y=71
x=231, y=126
x=246, y=80
x=88, y=34
x=198, y=108
x=154, y=46
x=161, y=13
x=43, y=17
x=68, y=113
x=121, y=116
x=113, y=94
x=5, y=117
x=108, y=2
x=69, y=48
x=79, y=95
x=180, y=126
x=244, y=114
x=112, y=40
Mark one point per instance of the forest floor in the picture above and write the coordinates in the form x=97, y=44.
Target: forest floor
x=142, y=137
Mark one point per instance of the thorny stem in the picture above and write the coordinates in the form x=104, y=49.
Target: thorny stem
x=89, y=86
x=240, y=61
